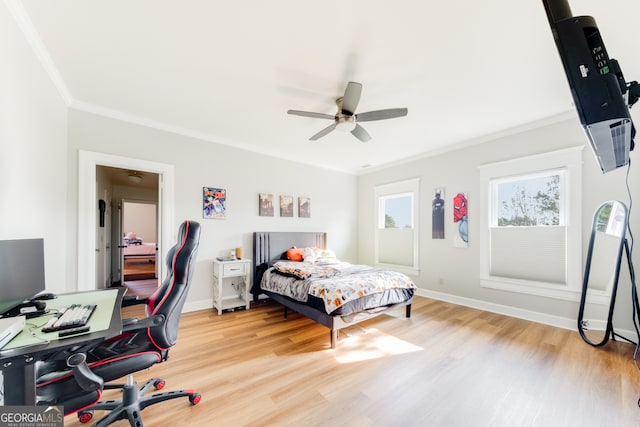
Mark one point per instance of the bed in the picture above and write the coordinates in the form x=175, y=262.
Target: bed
x=142, y=250
x=139, y=258
x=134, y=247
x=270, y=248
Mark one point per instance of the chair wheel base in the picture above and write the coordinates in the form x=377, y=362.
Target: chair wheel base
x=85, y=416
x=134, y=401
x=195, y=398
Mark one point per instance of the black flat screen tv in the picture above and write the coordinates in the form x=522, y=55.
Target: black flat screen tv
x=600, y=93
x=21, y=272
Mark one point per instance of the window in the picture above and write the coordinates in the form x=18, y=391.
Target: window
x=398, y=211
x=529, y=200
x=396, y=234
x=532, y=239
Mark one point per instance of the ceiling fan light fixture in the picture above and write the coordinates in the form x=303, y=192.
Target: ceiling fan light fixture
x=134, y=177
x=346, y=124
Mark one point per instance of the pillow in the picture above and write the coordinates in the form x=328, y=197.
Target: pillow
x=295, y=254
x=327, y=256
x=310, y=254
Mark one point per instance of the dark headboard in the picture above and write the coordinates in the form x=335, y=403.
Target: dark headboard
x=271, y=246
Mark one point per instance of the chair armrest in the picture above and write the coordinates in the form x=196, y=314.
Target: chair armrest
x=133, y=300
x=82, y=374
x=135, y=324
x=129, y=321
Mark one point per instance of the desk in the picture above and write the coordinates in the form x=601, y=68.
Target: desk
x=18, y=359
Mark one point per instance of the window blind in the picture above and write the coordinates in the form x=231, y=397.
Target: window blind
x=529, y=253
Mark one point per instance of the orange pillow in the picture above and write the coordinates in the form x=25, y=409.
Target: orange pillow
x=295, y=254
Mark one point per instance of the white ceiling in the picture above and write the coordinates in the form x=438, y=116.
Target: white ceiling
x=117, y=176
x=227, y=72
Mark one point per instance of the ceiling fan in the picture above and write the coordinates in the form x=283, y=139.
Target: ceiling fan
x=346, y=119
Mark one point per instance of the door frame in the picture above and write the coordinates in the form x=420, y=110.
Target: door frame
x=87, y=207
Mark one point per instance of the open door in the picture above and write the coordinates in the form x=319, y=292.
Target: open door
x=139, y=248
x=103, y=243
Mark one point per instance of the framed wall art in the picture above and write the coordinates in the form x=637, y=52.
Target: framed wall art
x=437, y=214
x=214, y=202
x=304, y=207
x=460, y=219
x=286, y=206
x=265, y=204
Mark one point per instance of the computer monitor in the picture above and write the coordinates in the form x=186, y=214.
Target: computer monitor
x=601, y=95
x=21, y=272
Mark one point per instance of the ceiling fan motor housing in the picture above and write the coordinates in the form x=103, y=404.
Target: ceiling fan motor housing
x=345, y=122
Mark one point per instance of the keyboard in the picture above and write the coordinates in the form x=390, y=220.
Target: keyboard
x=74, y=316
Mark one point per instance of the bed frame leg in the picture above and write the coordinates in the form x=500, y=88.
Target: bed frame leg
x=408, y=310
x=286, y=311
x=334, y=337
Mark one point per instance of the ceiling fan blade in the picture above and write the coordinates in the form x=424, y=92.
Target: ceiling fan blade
x=351, y=98
x=323, y=132
x=360, y=133
x=390, y=113
x=311, y=114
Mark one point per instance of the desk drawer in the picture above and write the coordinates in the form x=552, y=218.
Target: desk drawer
x=230, y=270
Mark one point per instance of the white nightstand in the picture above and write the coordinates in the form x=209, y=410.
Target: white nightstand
x=231, y=284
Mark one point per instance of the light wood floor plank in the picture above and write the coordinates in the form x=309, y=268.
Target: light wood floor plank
x=445, y=366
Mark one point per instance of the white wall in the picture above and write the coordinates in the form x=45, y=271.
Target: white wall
x=457, y=171
x=33, y=153
x=243, y=174
x=140, y=218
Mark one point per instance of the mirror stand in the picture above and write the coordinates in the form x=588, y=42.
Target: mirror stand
x=602, y=271
x=634, y=300
x=609, y=331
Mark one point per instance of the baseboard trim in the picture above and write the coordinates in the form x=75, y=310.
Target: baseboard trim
x=197, y=305
x=534, y=316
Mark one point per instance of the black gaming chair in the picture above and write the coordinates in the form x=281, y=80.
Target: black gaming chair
x=142, y=344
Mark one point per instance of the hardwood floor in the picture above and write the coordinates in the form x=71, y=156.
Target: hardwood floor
x=139, y=268
x=445, y=366
x=142, y=288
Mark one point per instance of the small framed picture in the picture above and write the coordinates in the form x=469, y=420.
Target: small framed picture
x=304, y=207
x=265, y=204
x=214, y=202
x=437, y=214
x=286, y=206
x=461, y=237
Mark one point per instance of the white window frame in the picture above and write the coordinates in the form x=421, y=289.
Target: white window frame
x=569, y=160
x=400, y=188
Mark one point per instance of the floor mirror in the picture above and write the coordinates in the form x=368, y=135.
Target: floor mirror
x=602, y=271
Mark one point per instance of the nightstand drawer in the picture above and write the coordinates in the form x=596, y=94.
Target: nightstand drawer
x=234, y=269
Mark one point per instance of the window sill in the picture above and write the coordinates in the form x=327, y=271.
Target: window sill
x=410, y=271
x=542, y=289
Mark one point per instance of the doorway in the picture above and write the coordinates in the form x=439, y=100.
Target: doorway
x=131, y=231
x=138, y=251
x=88, y=216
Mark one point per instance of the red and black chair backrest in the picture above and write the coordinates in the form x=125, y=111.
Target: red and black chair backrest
x=169, y=298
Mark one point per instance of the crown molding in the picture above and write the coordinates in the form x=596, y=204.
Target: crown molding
x=33, y=39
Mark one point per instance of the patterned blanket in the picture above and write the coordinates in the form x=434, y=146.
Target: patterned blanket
x=346, y=282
